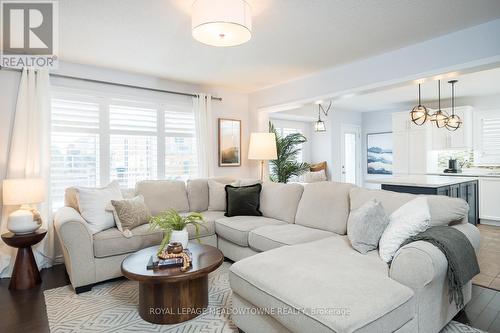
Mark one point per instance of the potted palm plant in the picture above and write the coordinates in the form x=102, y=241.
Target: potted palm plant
x=286, y=165
x=174, y=226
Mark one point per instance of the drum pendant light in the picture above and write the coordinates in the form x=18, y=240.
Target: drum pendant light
x=221, y=22
x=418, y=114
x=454, y=122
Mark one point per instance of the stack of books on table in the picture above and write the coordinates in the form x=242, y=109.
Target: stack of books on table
x=157, y=263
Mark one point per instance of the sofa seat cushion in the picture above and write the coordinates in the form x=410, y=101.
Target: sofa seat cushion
x=236, y=228
x=273, y=236
x=111, y=242
x=326, y=286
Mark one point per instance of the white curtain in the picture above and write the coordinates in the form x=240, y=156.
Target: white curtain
x=204, y=134
x=29, y=157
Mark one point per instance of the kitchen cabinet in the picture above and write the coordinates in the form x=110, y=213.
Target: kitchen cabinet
x=410, y=145
x=489, y=195
x=442, y=139
x=467, y=190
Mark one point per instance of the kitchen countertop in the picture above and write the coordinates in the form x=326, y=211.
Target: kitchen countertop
x=421, y=180
x=467, y=174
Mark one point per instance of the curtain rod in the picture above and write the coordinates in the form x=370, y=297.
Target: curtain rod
x=115, y=84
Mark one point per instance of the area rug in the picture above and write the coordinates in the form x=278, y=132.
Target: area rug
x=112, y=307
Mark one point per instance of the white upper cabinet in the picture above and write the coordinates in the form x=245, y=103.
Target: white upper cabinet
x=487, y=137
x=410, y=145
x=443, y=139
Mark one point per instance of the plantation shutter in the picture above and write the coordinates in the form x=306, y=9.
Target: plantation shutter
x=74, y=146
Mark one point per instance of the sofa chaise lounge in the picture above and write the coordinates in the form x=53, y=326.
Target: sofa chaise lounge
x=295, y=269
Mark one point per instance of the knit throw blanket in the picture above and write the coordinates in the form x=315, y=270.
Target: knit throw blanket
x=462, y=260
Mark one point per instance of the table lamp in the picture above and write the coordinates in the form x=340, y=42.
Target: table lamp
x=24, y=192
x=262, y=147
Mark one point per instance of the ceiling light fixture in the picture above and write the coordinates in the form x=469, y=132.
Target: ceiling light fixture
x=454, y=122
x=221, y=22
x=319, y=126
x=419, y=113
x=439, y=117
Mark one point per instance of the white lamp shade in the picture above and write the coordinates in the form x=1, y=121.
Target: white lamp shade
x=23, y=191
x=262, y=147
x=221, y=22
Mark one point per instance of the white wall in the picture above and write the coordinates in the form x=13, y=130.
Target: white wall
x=373, y=122
x=233, y=106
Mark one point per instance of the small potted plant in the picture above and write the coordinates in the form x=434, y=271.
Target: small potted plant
x=174, y=226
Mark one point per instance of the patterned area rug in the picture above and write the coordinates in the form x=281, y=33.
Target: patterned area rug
x=112, y=307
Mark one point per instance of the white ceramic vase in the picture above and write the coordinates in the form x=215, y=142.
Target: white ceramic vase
x=180, y=236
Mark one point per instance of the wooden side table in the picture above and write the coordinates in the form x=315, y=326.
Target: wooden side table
x=25, y=274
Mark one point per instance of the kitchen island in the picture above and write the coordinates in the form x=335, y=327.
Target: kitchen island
x=451, y=186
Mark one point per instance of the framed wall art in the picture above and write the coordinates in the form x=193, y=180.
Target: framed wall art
x=229, y=142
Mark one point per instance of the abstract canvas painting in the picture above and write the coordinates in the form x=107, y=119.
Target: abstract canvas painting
x=379, y=153
x=229, y=142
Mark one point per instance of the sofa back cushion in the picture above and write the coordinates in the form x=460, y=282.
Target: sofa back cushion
x=161, y=195
x=279, y=201
x=444, y=210
x=71, y=200
x=198, y=192
x=325, y=206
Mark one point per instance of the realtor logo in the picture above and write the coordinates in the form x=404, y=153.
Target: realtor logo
x=29, y=33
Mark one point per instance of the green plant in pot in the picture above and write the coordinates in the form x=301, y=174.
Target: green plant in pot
x=288, y=147
x=174, y=226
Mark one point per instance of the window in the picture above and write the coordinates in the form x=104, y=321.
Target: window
x=132, y=143
x=487, y=130
x=74, y=146
x=95, y=140
x=287, y=131
x=180, y=145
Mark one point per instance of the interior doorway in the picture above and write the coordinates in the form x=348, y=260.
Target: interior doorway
x=351, y=154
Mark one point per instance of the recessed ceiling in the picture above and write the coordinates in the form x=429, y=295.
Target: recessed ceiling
x=291, y=38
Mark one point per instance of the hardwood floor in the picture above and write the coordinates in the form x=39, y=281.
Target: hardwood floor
x=489, y=257
x=24, y=310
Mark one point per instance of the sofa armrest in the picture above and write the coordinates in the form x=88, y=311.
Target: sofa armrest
x=77, y=245
x=419, y=263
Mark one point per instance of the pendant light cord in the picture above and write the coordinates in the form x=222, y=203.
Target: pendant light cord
x=453, y=98
x=419, y=100
x=439, y=95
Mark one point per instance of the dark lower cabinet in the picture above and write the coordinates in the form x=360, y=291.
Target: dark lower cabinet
x=467, y=191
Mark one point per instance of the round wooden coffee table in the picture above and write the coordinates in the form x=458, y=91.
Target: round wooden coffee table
x=170, y=296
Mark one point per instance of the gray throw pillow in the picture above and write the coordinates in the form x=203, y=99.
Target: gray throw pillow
x=366, y=225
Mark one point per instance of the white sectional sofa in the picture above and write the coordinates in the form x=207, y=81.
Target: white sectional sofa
x=294, y=266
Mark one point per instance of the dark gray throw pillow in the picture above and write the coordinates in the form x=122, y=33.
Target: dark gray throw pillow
x=366, y=225
x=243, y=200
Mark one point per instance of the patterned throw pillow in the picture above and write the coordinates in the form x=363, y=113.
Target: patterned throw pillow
x=130, y=213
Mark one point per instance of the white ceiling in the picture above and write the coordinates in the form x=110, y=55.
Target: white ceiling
x=483, y=83
x=471, y=86
x=291, y=38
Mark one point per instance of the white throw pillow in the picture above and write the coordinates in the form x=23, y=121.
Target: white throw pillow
x=314, y=176
x=216, y=195
x=92, y=203
x=408, y=220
